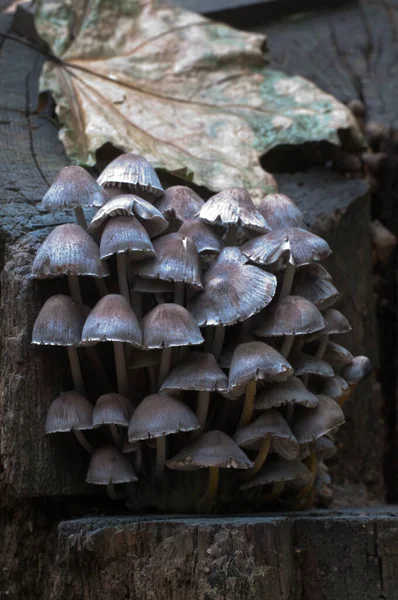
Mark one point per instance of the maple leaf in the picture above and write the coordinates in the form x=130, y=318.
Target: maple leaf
x=189, y=94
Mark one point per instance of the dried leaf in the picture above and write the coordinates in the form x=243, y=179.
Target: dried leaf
x=188, y=93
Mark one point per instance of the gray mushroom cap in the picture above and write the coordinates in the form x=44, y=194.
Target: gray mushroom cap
x=233, y=206
x=108, y=465
x=133, y=170
x=176, y=260
x=204, y=238
x=233, y=291
x=59, y=323
x=269, y=424
x=73, y=187
x=253, y=361
x=212, y=449
x=291, y=315
x=125, y=234
x=69, y=411
x=151, y=286
x=112, y=409
x=357, y=369
x=68, y=250
x=334, y=387
x=112, y=320
x=310, y=424
x=304, y=364
x=199, y=371
x=298, y=245
x=336, y=355
x=278, y=469
x=169, y=325
x=281, y=212
x=318, y=290
x=178, y=204
x=129, y=205
x=158, y=415
x=335, y=322
x=324, y=447
x=292, y=391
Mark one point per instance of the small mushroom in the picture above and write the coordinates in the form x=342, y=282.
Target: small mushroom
x=278, y=470
x=113, y=410
x=359, y=368
x=69, y=250
x=290, y=316
x=335, y=323
x=176, y=260
x=281, y=212
x=292, y=391
x=113, y=320
x=109, y=466
x=214, y=450
x=178, y=204
x=253, y=361
x=335, y=387
x=230, y=209
x=200, y=372
x=133, y=171
x=306, y=364
x=156, y=417
x=60, y=323
x=167, y=326
x=233, y=291
x=205, y=239
x=324, y=448
x=269, y=428
x=336, y=355
x=74, y=188
x=71, y=411
x=318, y=290
x=128, y=205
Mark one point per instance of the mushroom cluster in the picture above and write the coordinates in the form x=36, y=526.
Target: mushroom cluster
x=208, y=335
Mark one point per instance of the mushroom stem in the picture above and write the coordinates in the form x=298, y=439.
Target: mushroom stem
x=322, y=346
x=247, y=325
x=121, y=369
x=80, y=218
x=74, y=288
x=165, y=363
x=82, y=440
x=313, y=464
x=137, y=460
x=290, y=412
x=101, y=286
x=159, y=298
x=287, y=280
x=277, y=489
x=110, y=488
x=210, y=497
x=179, y=293
x=287, y=345
x=152, y=378
x=201, y=410
x=218, y=341
x=97, y=367
x=208, y=335
x=260, y=458
x=344, y=397
x=230, y=238
x=77, y=376
x=136, y=303
x=117, y=440
x=160, y=457
x=121, y=262
x=248, y=406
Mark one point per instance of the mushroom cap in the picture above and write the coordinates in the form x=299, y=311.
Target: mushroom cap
x=278, y=469
x=129, y=205
x=324, y=447
x=281, y=212
x=204, y=238
x=108, y=465
x=305, y=363
x=336, y=355
x=233, y=291
x=269, y=424
x=151, y=286
x=292, y=391
x=112, y=320
x=138, y=359
x=318, y=290
x=335, y=322
x=73, y=187
x=252, y=361
x=125, y=234
x=334, y=387
x=233, y=206
x=310, y=424
x=357, y=369
x=291, y=315
x=133, y=170
x=176, y=260
x=59, y=323
x=299, y=245
x=112, y=409
x=212, y=449
x=178, y=204
x=198, y=371
x=68, y=250
x=169, y=325
x=158, y=415
x=314, y=270
x=69, y=411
